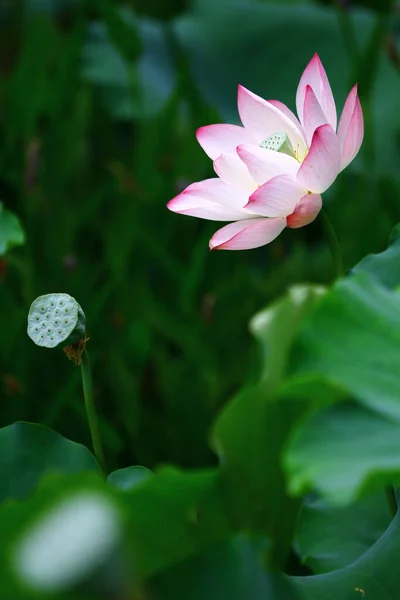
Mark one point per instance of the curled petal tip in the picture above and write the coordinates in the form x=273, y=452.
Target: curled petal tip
x=200, y=131
x=170, y=205
x=314, y=75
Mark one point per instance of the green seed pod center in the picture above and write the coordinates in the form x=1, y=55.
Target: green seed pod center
x=279, y=142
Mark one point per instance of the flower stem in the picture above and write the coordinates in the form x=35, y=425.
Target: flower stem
x=91, y=411
x=391, y=500
x=333, y=244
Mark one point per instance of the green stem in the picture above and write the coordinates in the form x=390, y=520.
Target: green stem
x=91, y=411
x=333, y=244
x=391, y=500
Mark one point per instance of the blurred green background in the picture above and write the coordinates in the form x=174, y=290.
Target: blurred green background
x=99, y=103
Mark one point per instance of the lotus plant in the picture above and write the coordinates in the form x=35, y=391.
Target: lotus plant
x=273, y=169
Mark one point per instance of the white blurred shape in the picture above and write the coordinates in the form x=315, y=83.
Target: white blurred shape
x=68, y=542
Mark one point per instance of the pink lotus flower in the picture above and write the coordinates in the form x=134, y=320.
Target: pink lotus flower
x=273, y=169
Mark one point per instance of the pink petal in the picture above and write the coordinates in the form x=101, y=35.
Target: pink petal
x=306, y=211
x=322, y=164
x=217, y=190
x=263, y=119
x=347, y=113
x=276, y=198
x=244, y=235
x=205, y=209
x=286, y=111
x=351, y=128
x=212, y=199
x=314, y=75
x=313, y=115
x=232, y=170
x=264, y=164
x=216, y=139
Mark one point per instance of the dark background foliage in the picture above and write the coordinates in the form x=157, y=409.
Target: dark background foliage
x=99, y=103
